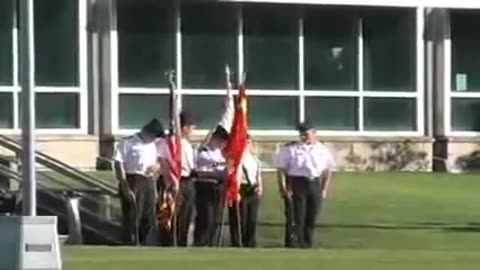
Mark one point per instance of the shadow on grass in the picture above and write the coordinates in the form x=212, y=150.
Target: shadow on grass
x=468, y=227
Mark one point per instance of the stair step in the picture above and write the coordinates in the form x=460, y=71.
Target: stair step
x=62, y=238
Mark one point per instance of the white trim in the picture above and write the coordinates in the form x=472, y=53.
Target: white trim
x=240, y=44
x=390, y=94
x=330, y=93
x=301, y=70
x=253, y=132
x=371, y=133
x=9, y=89
x=141, y=90
x=83, y=66
x=387, y=3
x=44, y=131
x=447, y=76
x=464, y=134
x=114, y=93
x=457, y=94
x=257, y=92
x=16, y=76
x=360, y=73
x=420, y=67
x=54, y=89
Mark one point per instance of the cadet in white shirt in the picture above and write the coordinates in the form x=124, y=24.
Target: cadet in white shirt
x=184, y=186
x=138, y=154
x=210, y=169
x=305, y=173
x=251, y=189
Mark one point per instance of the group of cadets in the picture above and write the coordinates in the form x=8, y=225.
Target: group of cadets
x=304, y=173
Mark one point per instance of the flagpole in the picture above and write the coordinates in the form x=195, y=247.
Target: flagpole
x=173, y=116
x=27, y=56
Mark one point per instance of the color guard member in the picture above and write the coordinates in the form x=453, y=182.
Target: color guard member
x=138, y=154
x=250, y=191
x=184, y=186
x=307, y=166
x=210, y=169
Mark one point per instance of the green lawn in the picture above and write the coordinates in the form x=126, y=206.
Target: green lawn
x=370, y=221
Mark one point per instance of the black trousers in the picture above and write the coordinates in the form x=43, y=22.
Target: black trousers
x=247, y=211
x=306, y=200
x=184, y=211
x=144, y=190
x=208, y=213
x=290, y=233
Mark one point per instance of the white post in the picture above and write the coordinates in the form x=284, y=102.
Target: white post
x=27, y=73
x=29, y=241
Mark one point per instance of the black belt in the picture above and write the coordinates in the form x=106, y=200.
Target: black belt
x=135, y=175
x=303, y=178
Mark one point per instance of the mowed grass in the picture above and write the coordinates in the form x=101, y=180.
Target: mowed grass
x=369, y=221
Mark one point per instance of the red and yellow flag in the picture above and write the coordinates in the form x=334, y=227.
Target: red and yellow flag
x=235, y=148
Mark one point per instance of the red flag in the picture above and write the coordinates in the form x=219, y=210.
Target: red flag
x=235, y=148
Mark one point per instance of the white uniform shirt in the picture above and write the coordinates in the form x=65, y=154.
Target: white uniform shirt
x=305, y=160
x=252, y=167
x=209, y=160
x=136, y=155
x=187, y=155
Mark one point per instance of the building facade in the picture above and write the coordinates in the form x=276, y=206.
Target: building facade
x=391, y=85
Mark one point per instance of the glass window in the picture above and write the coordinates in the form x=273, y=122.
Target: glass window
x=389, y=49
x=332, y=113
x=465, y=114
x=206, y=110
x=146, y=42
x=209, y=38
x=56, y=43
x=6, y=26
x=6, y=110
x=271, y=47
x=465, y=50
x=330, y=52
x=269, y=112
x=55, y=110
x=389, y=114
x=135, y=110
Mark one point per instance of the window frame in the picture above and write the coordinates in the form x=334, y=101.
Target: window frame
x=418, y=94
x=81, y=89
x=449, y=93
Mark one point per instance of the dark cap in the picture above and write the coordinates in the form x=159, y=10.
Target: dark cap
x=155, y=128
x=304, y=126
x=220, y=132
x=186, y=119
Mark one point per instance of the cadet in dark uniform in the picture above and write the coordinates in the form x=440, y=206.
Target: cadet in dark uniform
x=307, y=165
x=210, y=170
x=138, y=154
x=251, y=189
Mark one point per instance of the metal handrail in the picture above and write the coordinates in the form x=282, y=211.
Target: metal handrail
x=61, y=167
x=73, y=207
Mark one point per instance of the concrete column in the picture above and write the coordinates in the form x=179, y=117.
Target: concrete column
x=106, y=21
x=441, y=66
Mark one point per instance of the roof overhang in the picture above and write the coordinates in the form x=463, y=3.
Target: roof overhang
x=460, y=4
